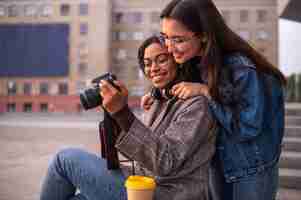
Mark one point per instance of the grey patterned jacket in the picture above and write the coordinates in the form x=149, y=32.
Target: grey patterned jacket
x=174, y=144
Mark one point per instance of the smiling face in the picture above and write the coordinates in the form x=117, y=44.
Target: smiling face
x=160, y=67
x=181, y=42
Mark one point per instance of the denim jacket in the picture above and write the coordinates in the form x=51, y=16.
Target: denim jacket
x=253, y=142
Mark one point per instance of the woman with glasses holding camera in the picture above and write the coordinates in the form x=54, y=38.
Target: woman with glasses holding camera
x=245, y=94
x=174, y=144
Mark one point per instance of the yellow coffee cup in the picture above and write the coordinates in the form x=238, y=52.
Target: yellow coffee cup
x=140, y=187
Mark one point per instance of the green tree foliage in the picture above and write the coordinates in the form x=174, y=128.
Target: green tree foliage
x=298, y=88
x=291, y=88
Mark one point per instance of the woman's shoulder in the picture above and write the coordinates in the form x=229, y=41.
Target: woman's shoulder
x=238, y=61
x=239, y=64
x=191, y=105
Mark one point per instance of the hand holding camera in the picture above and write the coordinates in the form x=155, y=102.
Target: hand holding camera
x=105, y=91
x=114, y=98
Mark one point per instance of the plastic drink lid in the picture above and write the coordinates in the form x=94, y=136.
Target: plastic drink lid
x=140, y=183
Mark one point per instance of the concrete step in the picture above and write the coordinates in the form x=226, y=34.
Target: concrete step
x=293, y=111
x=290, y=178
x=292, y=131
x=292, y=144
x=288, y=194
x=290, y=160
x=293, y=120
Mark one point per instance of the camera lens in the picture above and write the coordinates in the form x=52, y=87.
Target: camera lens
x=90, y=98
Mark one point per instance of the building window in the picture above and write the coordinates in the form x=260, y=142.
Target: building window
x=83, y=68
x=63, y=88
x=13, y=11
x=135, y=18
x=43, y=107
x=262, y=35
x=11, y=107
x=44, y=88
x=30, y=10
x=137, y=91
x=80, y=85
x=128, y=18
x=151, y=33
x=27, y=107
x=83, y=28
x=83, y=9
x=2, y=11
x=121, y=54
x=244, y=16
x=262, y=16
x=46, y=10
x=65, y=10
x=155, y=17
x=116, y=36
x=83, y=50
x=226, y=15
x=83, y=45
x=118, y=17
x=120, y=35
x=123, y=35
x=27, y=89
x=11, y=88
x=138, y=36
x=244, y=34
x=132, y=54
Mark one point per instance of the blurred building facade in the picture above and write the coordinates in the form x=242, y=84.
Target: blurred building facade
x=104, y=36
x=86, y=52
x=282, y=5
x=256, y=21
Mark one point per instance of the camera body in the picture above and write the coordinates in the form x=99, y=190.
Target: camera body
x=90, y=97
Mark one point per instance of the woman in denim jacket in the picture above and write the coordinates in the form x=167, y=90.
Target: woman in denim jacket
x=245, y=95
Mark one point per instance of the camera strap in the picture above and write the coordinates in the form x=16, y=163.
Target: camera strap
x=108, y=134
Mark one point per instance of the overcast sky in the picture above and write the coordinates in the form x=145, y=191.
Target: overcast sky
x=289, y=46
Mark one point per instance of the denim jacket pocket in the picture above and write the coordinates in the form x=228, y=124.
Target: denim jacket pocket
x=252, y=154
x=225, y=159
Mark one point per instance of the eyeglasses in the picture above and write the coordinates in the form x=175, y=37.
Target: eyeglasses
x=176, y=40
x=160, y=60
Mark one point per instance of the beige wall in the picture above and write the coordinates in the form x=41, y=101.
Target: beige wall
x=281, y=5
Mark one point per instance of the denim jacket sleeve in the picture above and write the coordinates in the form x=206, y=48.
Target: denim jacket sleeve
x=249, y=122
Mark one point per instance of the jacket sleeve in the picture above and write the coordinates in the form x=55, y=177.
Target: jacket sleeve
x=165, y=153
x=248, y=122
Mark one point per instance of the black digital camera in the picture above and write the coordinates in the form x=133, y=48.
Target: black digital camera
x=90, y=97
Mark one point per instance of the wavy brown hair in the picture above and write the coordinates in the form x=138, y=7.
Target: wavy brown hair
x=202, y=17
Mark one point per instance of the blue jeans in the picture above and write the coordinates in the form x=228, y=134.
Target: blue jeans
x=260, y=186
x=74, y=170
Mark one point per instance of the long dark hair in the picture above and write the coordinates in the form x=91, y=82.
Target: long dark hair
x=202, y=17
